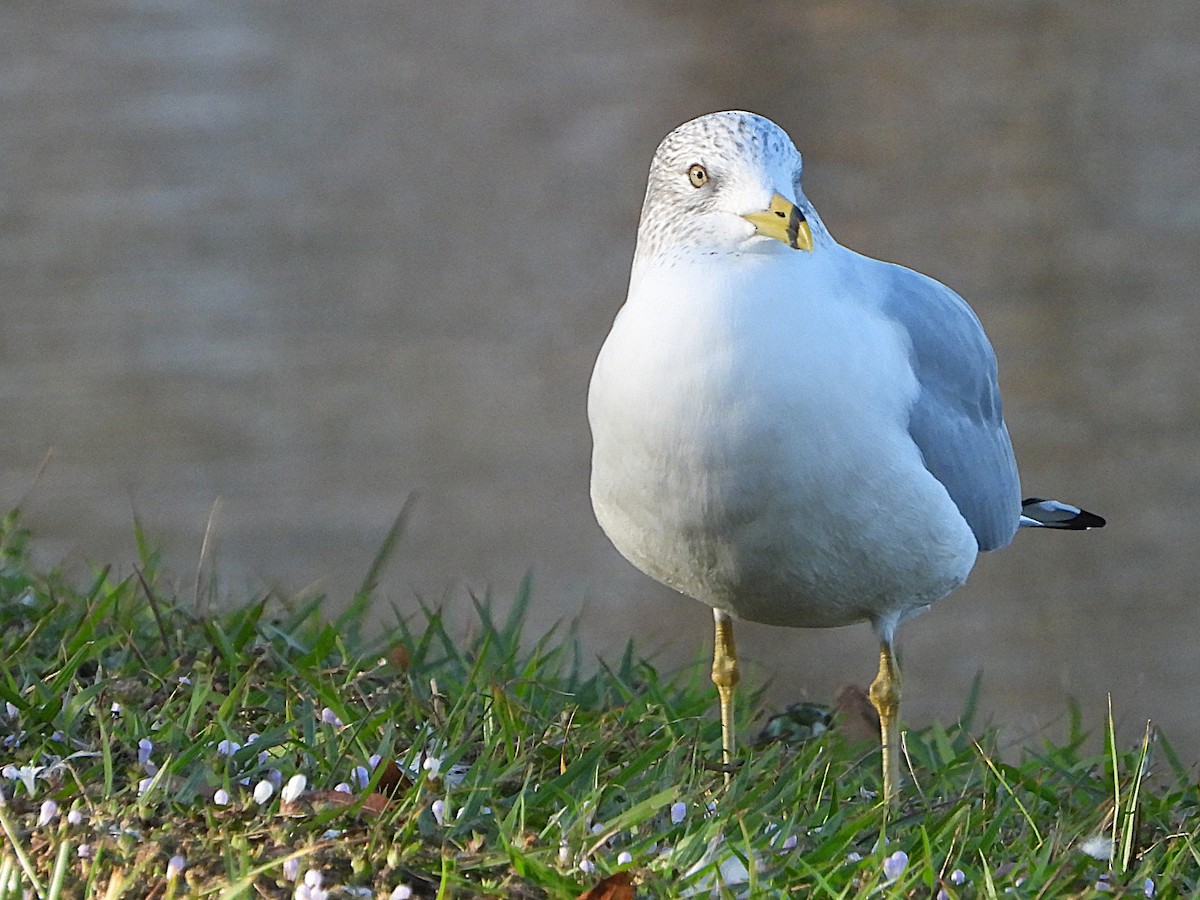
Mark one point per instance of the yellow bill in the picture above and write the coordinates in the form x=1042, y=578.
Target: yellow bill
x=783, y=221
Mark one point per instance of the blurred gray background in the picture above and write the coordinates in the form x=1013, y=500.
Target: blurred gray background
x=311, y=257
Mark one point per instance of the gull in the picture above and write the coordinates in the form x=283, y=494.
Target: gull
x=789, y=431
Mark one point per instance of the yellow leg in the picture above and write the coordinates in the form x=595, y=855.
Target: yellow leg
x=725, y=675
x=885, y=697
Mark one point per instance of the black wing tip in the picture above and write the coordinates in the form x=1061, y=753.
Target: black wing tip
x=1086, y=520
x=1056, y=514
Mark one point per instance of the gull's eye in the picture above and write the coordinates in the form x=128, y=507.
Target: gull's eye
x=697, y=175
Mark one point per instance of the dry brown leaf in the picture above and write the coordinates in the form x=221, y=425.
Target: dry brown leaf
x=854, y=716
x=373, y=805
x=397, y=655
x=393, y=780
x=614, y=887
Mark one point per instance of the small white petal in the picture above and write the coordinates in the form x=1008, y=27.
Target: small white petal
x=401, y=892
x=304, y=892
x=894, y=865
x=48, y=813
x=361, y=776
x=221, y=797
x=175, y=866
x=75, y=817
x=624, y=858
x=145, y=748
x=329, y=717
x=313, y=878
x=263, y=791
x=678, y=811
x=439, y=811
x=432, y=765
x=733, y=871
x=84, y=851
x=228, y=747
x=343, y=788
x=294, y=788
x=586, y=866
x=958, y=876
x=291, y=868
x=1098, y=846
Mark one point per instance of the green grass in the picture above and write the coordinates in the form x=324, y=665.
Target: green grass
x=530, y=772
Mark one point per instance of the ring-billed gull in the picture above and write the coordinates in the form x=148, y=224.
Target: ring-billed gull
x=786, y=430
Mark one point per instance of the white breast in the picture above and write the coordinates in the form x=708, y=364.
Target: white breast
x=751, y=447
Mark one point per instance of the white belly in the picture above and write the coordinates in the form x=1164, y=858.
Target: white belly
x=751, y=451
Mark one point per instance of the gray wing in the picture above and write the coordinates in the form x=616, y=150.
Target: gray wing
x=957, y=421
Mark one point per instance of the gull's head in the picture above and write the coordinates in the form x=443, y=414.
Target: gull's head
x=728, y=182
